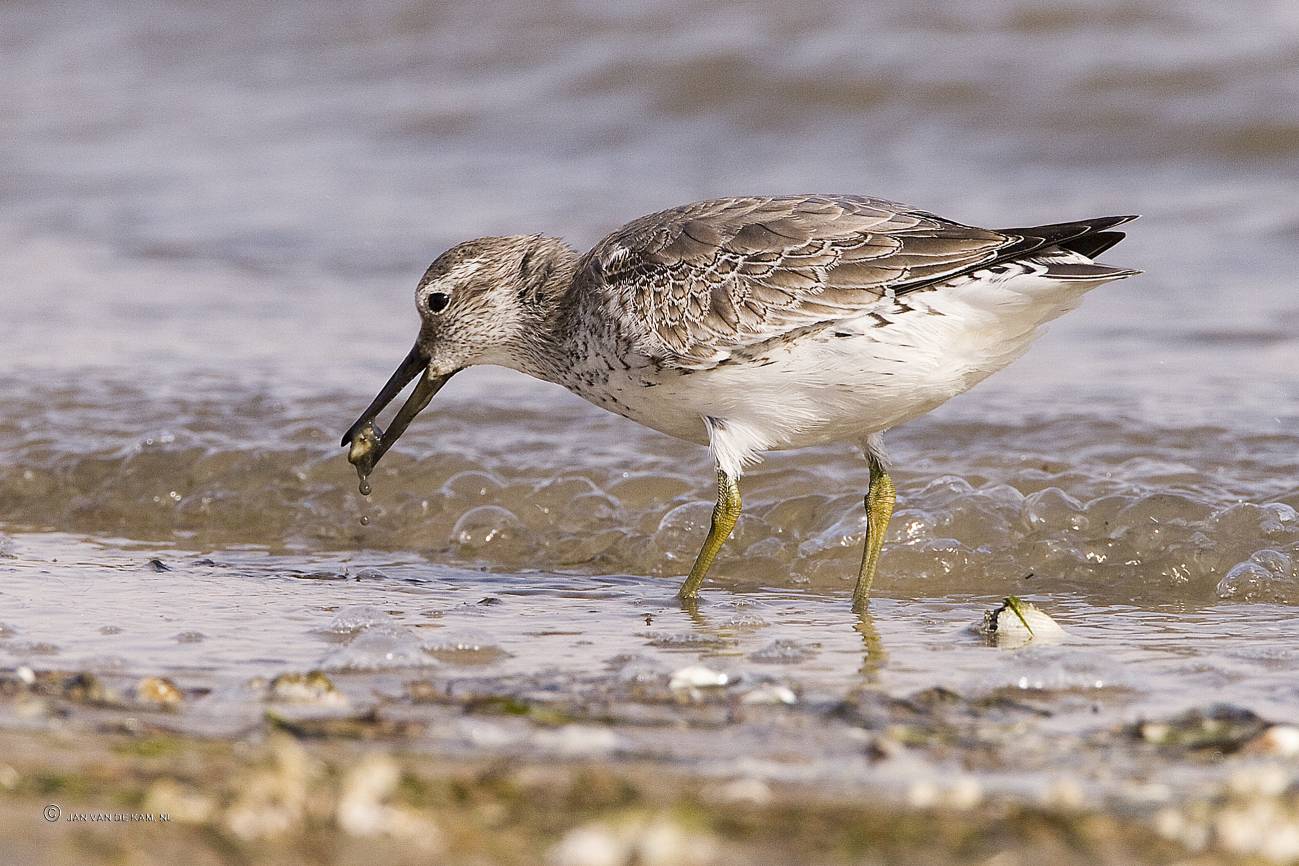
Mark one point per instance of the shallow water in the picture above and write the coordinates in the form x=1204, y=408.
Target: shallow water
x=456, y=655
x=215, y=217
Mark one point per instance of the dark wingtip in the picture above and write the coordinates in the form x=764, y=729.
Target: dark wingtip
x=1100, y=224
x=1093, y=244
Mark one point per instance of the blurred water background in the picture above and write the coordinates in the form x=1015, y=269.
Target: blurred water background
x=213, y=217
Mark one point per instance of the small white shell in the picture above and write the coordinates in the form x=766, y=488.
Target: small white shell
x=697, y=677
x=1279, y=740
x=1018, y=623
x=770, y=694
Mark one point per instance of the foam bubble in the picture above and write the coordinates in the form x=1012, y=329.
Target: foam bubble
x=490, y=527
x=351, y=620
x=376, y=648
x=463, y=646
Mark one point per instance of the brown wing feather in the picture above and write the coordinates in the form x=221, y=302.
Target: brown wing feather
x=689, y=286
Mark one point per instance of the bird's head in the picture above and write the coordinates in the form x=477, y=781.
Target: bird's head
x=484, y=301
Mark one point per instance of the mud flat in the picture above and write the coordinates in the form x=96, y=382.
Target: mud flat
x=626, y=767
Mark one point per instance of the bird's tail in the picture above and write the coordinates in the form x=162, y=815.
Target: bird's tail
x=1069, y=250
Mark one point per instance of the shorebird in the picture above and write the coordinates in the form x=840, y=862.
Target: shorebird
x=749, y=325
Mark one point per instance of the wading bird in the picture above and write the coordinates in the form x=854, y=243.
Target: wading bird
x=751, y=324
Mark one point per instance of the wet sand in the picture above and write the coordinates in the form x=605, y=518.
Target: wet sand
x=466, y=770
x=334, y=802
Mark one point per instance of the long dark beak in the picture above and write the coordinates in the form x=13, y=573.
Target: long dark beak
x=366, y=442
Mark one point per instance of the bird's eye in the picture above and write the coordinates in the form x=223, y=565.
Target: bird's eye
x=437, y=301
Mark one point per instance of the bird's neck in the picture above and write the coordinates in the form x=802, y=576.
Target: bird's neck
x=547, y=298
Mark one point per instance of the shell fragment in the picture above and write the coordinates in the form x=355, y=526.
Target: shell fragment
x=1018, y=623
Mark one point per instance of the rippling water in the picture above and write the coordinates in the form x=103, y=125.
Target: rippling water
x=215, y=216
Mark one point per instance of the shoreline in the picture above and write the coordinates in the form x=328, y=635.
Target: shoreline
x=494, y=770
x=289, y=800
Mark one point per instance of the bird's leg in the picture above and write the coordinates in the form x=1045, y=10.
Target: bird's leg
x=725, y=513
x=880, y=497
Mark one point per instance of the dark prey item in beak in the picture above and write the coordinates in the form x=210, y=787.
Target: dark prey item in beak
x=366, y=441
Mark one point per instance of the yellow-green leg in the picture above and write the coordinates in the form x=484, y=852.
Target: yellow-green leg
x=880, y=497
x=725, y=513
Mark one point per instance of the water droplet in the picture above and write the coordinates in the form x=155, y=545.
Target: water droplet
x=365, y=520
x=364, y=487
